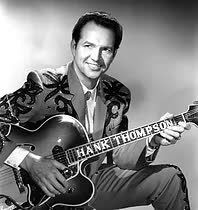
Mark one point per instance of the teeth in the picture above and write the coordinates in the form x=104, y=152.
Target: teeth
x=94, y=66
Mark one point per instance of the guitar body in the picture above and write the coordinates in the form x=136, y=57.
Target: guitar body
x=58, y=134
x=64, y=139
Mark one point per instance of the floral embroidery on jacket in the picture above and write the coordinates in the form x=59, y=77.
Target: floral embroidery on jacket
x=114, y=91
x=117, y=99
x=66, y=106
x=19, y=102
x=58, y=84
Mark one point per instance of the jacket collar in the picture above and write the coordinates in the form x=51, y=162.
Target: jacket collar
x=78, y=102
x=76, y=90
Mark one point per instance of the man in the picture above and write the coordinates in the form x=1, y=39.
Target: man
x=130, y=181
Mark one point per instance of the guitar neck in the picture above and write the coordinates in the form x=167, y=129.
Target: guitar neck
x=109, y=143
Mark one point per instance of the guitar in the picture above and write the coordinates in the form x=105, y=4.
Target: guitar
x=11, y=186
x=64, y=138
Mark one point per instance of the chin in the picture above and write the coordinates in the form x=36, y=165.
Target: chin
x=95, y=75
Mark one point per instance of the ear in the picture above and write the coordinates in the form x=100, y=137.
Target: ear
x=73, y=47
x=114, y=54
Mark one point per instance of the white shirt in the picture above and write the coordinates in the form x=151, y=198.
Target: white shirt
x=90, y=106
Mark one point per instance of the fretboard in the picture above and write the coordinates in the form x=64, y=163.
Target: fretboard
x=109, y=143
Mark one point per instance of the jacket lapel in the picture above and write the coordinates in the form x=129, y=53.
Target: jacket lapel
x=99, y=118
x=100, y=113
x=78, y=100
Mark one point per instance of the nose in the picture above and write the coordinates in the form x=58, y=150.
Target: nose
x=96, y=54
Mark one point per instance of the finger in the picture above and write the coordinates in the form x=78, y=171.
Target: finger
x=168, y=134
x=45, y=190
x=59, y=176
x=171, y=136
x=186, y=126
x=62, y=180
x=166, y=116
x=176, y=128
x=57, y=184
x=58, y=165
x=50, y=186
x=165, y=142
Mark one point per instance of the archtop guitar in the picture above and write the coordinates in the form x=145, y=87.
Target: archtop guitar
x=64, y=138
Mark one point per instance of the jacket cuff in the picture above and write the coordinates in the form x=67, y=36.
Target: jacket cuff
x=16, y=157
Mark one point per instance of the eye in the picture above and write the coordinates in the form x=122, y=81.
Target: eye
x=89, y=46
x=108, y=50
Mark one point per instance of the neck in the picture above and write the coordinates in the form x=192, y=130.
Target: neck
x=90, y=84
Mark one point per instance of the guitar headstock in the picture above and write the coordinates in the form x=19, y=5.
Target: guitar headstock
x=192, y=114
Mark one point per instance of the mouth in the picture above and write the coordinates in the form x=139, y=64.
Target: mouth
x=95, y=67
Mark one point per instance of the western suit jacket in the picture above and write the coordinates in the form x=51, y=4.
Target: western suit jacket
x=48, y=92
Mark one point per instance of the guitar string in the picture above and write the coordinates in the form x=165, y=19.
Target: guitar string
x=73, y=152
x=6, y=172
x=7, y=181
x=70, y=151
x=9, y=175
x=114, y=143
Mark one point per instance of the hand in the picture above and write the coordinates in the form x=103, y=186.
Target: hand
x=170, y=135
x=45, y=172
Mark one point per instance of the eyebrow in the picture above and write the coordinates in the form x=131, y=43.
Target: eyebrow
x=87, y=42
x=105, y=46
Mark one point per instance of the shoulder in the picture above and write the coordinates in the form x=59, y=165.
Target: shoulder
x=114, y=87
x=47, y=75
x=115, y=91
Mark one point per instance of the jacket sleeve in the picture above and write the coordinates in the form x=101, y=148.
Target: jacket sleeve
x=17, y=108
x=133, y=155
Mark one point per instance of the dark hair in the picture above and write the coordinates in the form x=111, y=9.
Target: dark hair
x=100, y=18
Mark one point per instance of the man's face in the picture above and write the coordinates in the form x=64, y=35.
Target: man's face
x=93, y=53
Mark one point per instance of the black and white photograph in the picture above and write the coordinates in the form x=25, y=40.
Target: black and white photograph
x=98, y=105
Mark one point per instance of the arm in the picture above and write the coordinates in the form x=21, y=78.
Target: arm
x=134, y=155
x=143, y=152
x=170, y=135
x=20, y=107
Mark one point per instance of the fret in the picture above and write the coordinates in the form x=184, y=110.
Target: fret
x=75, y=156
x=179, y=118
x=88, y=150
x=106, y=144
x=96, y=147
x=111, y=142
x=70, y=155
x=67, y=158
x=117, y=140
x=79, y=152
x=91, y=148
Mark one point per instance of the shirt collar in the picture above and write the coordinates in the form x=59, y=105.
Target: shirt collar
x=92, y=91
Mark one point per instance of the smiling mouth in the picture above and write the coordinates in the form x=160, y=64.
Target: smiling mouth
x=94, y=66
